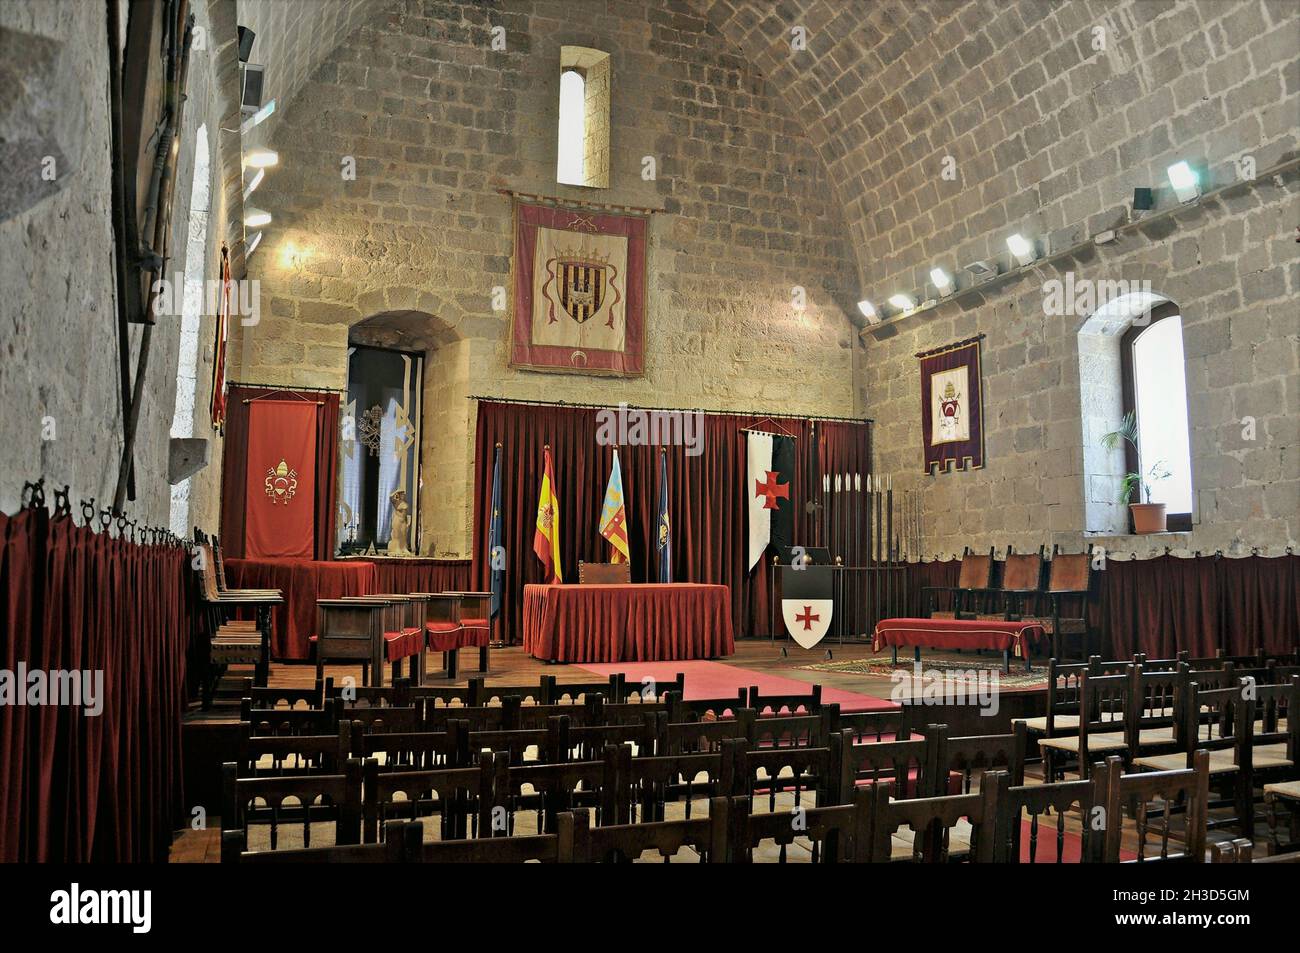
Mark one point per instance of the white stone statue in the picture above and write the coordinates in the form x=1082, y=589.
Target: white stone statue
x=400, y=539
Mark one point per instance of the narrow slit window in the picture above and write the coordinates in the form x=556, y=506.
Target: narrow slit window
x=573, y=127
x=582, y=135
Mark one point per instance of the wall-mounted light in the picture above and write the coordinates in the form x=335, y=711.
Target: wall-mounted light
x=252, y=246
x=902, y=302
x=251, y=187
x=262, y=159
x=869, y=311
x=942, y=281
x=1185, y=181
x=1022, y=249
x=256, y=218
x=983, y=270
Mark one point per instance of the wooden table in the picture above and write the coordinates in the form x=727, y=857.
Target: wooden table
x=1007, y=637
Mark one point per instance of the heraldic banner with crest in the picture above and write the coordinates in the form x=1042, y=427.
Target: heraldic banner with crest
x=579, y=291
x=279, y=508
x=952, y=415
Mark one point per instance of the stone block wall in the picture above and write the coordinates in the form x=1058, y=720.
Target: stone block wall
x=438, y=123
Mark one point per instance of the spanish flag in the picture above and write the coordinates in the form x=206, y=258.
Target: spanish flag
x=613, y=515
x=546, y=539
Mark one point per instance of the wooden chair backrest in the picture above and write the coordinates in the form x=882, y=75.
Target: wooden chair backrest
x=976, y=571
x=1070, y=572
x=1188, y=786
x=339, y=797
x=838, y=834
x=1053, y=802
x=1022, y=571
x=623, y=843
x=969, y=753
x=907, y=764
x=791, y=704
x=932, y=819
x=604, y=574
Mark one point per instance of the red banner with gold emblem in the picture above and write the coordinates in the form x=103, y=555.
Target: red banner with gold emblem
x=279, y=507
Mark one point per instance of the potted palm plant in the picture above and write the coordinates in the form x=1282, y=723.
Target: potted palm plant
x=1148, y=517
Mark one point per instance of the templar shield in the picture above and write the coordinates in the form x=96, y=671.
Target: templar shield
x=807, y=602
x=582, y=288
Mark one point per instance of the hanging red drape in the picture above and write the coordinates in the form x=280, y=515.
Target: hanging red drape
x=707, y=497
x=234, y=472
x=280, y=505
x=78, y=785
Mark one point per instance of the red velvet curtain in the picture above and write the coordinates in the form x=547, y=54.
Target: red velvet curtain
x=707, y=497
x=79, y=787
x=1164, y=605
x=235, y=464
x=422, y=575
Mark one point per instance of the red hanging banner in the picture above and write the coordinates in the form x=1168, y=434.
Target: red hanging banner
x=279, y=507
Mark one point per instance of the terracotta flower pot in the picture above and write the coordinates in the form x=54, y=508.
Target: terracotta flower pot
x=1148, y=517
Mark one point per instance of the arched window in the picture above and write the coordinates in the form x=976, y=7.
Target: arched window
x=191, y=318
x=1155, y=392
x=582, y=143
x=573, y=127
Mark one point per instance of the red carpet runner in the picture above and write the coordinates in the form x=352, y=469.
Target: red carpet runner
x=715, y=680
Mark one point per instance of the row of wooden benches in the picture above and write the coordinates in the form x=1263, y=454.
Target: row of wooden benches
x=985, y=826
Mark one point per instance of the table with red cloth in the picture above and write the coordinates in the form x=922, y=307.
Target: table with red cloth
x=302, y=581
x=649, y=622
x=1009, y=638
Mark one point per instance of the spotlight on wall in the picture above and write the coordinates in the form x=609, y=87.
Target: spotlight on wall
x=869, y=311
x=251, y=187
x=983, y=270
x=1185, y=181
x=246, y=38
x=902, y=302
x=1022, y=249
x=942, y=281
x=1144, y=199
x=262, y=159
x=256, y=218
x=252, y=246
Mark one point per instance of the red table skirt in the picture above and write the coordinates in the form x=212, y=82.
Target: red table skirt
x=957, y=634
x=627, y=623
x=302, y=581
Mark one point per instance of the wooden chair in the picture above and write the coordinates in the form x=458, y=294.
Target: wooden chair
x=604, y=574
x=413, y=750
x=625, y=843
x=1104, y=699
x=908, y=765
x=791, y=704
x=1153, y=718
x=476, y=624
x=646, y=786
x=934, y=822
x=1059, y=800
x=691, y=737
x=555, y=788
x=1283, y=797
x=964, y=755
x=867, y=727
x=1219, y=724
x=1069, y=578
x=648, y=688
x=711, y=709
x=271, y=755
x=554, y=848
x=1064, y=693
x=274, y=697
x=835, y=834
x=290, y=721
x=387, y=852
x=1188, y=786
x=443, y=630
x=793, y=771
x=463, y=798
x=231, y=641
x=974, y=578
x=555, y=691
x=1022, y=579
x=318, y=797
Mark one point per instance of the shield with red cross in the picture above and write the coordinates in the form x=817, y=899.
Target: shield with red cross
x=807, y=602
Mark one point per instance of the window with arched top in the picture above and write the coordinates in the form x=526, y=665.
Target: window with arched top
x=582, y=136
x=1155, y=393
x=187, y=363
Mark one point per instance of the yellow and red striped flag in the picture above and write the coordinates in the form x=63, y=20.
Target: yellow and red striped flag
x=546, y=538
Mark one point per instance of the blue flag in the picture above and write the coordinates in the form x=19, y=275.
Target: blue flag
x=663, y=533
x=496, y=554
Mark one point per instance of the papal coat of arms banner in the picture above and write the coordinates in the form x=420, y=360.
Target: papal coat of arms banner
x=279, y=506
x=952, y=416
x=579, y=291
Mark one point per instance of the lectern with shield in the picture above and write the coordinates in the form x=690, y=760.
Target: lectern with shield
x=807, y=601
